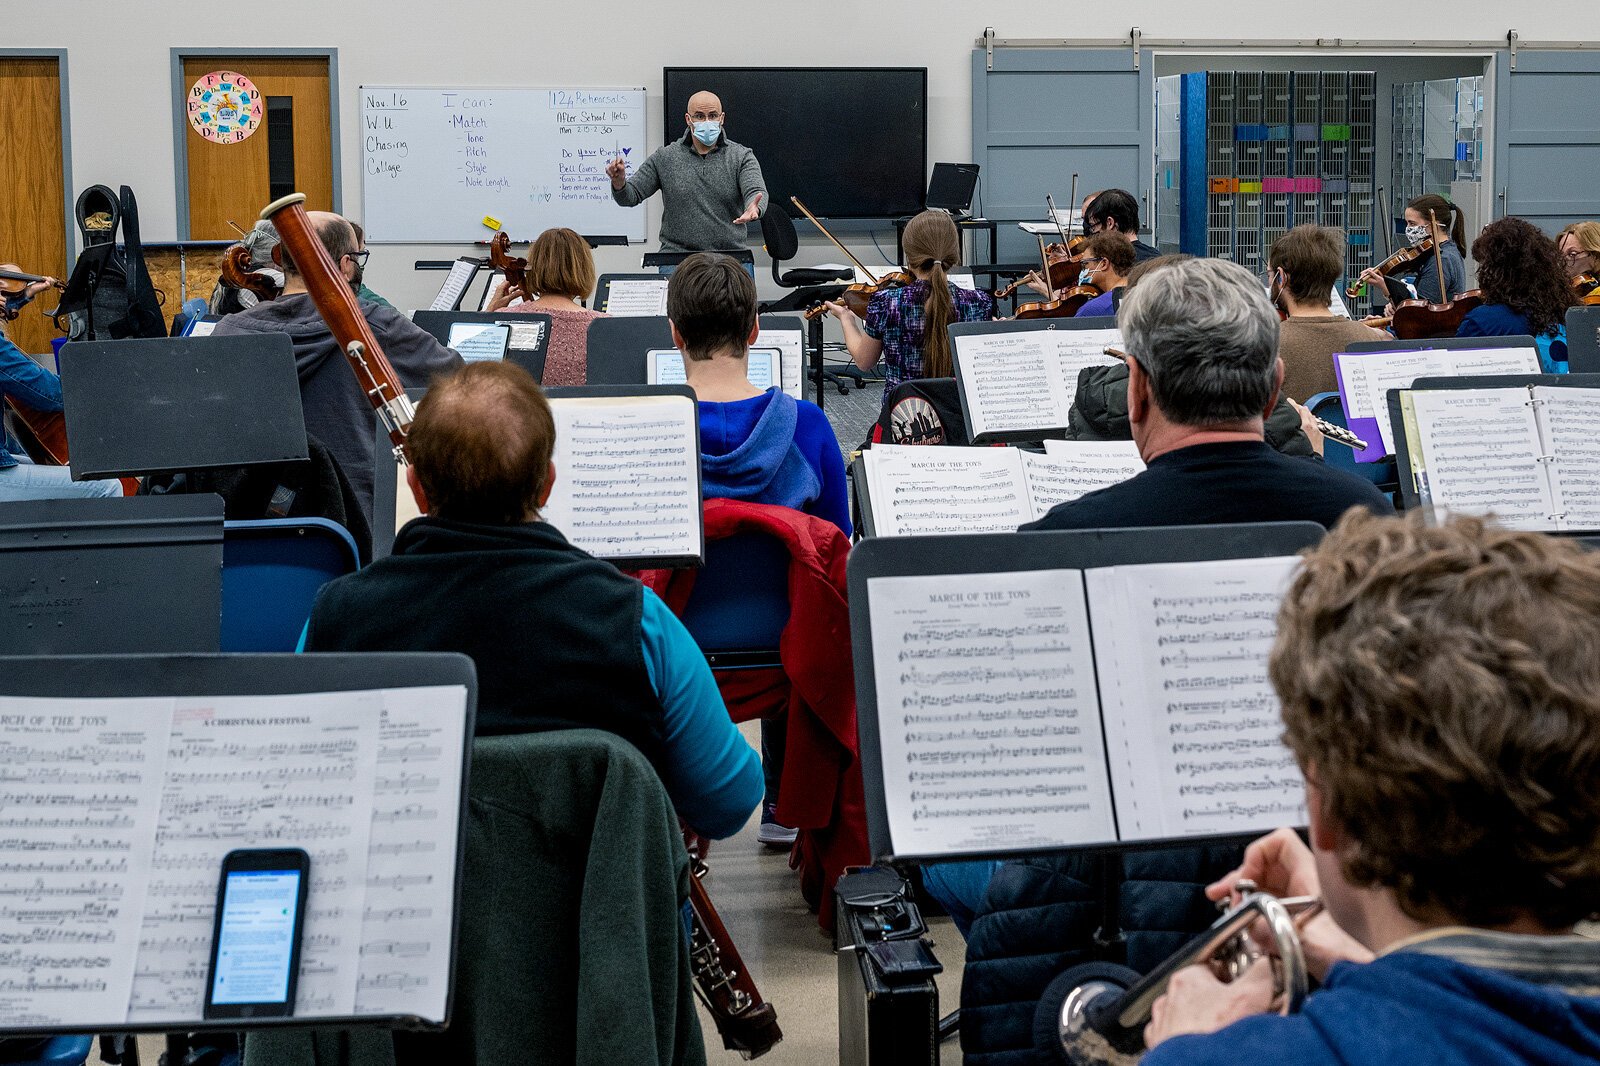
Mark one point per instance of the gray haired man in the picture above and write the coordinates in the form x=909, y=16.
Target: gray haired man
x=1201, y=343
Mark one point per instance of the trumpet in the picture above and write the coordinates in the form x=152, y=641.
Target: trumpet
x=1096, y=1013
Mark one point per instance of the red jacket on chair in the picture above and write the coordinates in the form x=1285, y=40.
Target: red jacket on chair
x=820, y=792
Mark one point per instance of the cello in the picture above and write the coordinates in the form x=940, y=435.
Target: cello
x=855, y=297
x=514, y=267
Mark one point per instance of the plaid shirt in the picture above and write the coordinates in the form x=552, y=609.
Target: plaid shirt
x=896, y=316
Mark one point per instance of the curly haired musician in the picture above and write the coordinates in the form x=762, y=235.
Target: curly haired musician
x=1441, y=691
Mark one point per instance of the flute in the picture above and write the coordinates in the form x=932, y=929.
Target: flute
x=1340, y=435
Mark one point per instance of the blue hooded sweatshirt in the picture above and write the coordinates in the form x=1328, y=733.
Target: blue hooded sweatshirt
x=774, y=449
x=1456, y=997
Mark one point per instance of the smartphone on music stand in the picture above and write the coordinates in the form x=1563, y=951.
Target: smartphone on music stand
x=255, y=940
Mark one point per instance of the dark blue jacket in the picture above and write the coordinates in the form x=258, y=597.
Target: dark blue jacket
x=1041, y=916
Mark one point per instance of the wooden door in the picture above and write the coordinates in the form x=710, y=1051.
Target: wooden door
x=33, y=228
x=290, y=150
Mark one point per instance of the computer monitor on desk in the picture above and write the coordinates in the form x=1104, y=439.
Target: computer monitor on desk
x=952, y=187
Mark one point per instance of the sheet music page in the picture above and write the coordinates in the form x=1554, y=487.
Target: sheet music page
x=201, y=328
x=526, y=333
x=77, y=826
x=790, y=344
x=987, y=712
x=1079, y=348
x=496, y=282
x=476, y=342
x=252, y=772
x=1013, y=382
x=411, y=853
x=1072, y=468
x=1468, y=362
x=1365, y=379
x=1480, y=449
x=917, y=490
x=1192, y=723
x=455, y=283
x=627, y=476
x=636, y=297
x=1571, y=420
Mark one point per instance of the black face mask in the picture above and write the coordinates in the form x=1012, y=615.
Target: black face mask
x=16, y=301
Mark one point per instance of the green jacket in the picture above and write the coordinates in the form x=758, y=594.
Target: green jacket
x=364, y=293
x=570, y=946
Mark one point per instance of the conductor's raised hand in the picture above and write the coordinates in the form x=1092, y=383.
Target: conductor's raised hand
x=617, y=171
x=751, y=213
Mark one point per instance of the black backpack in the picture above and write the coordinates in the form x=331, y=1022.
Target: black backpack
x=115, y=284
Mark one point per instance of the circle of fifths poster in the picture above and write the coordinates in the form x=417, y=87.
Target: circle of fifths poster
x=224, y=107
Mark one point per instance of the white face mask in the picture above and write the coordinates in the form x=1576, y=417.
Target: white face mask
x=1416, y=233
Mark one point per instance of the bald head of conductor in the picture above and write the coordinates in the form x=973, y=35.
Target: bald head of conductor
x=710, y=186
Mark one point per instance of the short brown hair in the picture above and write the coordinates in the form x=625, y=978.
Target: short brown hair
x=481, y=443
x=712, y=301
x=1442, y=687
x=560, y=264
x=1313, y=257
x=1118, y=251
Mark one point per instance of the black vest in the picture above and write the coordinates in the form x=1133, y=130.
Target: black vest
x=554, y=632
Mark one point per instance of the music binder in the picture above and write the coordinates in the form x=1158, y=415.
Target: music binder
x=132, y=777
x=1017, y=380
x=1522, y=447
x=1085, y=690
x=632, y=510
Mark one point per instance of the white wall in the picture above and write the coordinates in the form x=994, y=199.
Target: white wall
x=119, y=61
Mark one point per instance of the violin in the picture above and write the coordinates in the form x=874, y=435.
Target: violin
x=1066, y=305
x=1062, y=263
x=237, y=272
x=514, y=267
x=856, y=297
x=13, y=279
x=1396, y=264
x=1419, y=319
x=1587, y=288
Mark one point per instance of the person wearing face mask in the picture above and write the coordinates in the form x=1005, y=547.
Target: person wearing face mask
x=1105, y=265
x=1448, y=230
x=1303, y=267
x=710, y=186
x=358, y=282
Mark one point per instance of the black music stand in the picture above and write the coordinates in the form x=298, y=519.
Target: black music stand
x=619, y=348
x=1410, y=496
x=602, y=291
x=91, y=577
x=181, y=405
x=438, y=323
x=1583, y=340
x=1052, y=423
x=883, y=557
x=743, y=256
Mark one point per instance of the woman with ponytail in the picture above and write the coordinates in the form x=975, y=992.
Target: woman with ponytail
x=905, y=328
x=1447, y=229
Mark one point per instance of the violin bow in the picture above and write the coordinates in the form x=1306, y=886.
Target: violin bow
x=873, y=278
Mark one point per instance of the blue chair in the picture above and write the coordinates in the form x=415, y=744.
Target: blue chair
x=1328, y=407
x=272, y=570
x=61, y=1051
x=740, y=602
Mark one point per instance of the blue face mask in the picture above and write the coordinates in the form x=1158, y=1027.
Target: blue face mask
x=15, y=302
x=707, y=133
x=1084, y=277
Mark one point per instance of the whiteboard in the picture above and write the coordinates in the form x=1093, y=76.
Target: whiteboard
x=435, y=162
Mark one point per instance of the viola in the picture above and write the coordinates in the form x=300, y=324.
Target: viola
x=1063, y=265
x=855, y=297
x=1396, y=264
x=1419, y=319
x=237, y=272
x=1587, y=288
x=514, y=267
x=1065, y=306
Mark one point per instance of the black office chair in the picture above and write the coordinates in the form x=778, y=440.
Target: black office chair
x=810, y=285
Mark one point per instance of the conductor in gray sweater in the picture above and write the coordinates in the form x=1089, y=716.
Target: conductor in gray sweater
x=710, y=186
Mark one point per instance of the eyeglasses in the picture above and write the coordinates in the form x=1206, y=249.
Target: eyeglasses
x=706, y=116
x=360, y=257
x=1573, y=257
